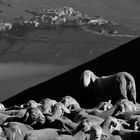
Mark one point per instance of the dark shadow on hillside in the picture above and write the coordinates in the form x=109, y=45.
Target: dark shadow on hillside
x=124, y=58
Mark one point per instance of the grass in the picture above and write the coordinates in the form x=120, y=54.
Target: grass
x=60, y=47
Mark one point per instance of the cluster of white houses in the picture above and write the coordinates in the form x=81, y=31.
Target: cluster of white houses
x=62, y=17
x=5, y=25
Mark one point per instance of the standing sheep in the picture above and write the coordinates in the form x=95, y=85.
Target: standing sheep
x=119, y=85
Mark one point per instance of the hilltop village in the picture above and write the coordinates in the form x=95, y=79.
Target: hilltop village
x=57, y=18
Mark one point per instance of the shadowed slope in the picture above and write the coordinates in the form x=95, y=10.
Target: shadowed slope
x=124, y=58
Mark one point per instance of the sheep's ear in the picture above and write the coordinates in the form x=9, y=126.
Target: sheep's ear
x=109, y=101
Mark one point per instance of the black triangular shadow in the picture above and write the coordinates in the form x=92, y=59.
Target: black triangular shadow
x=124, y=58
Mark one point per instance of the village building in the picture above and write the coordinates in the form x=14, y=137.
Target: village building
x=5, y=26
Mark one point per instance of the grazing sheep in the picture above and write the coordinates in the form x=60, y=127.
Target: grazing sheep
x=42, y=134
x=59, y=109
x=2, y=107
x=34, y=115
x=127, y=134
x=7, y=118
x=32, y=103
x=105, y=105
x=15, y=113
x=47, y=105
x=80, y=114
x=56, y=134
x=15, y=130
x=70, y=103
x=108, y=112
x=104, y=130
x=129, y=111
x=2, y=134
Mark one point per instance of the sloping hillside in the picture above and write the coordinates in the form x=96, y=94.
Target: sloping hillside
x=60, y=47
x=124, y=58
x=59, y=50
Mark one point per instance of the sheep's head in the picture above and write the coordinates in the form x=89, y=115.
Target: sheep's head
x=87, y=124
x=2, y=107
x=136, y=124
x=32, y=103
x=115, y=124
x=86, y=77
x=97, y=132
x=70, y=102
x=127, y=106
x=37, y=115
x=107, y=105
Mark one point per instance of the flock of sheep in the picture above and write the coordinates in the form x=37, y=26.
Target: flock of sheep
x=116, y=117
